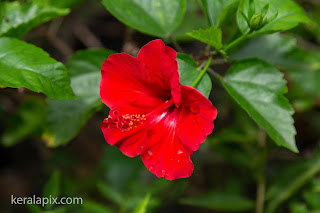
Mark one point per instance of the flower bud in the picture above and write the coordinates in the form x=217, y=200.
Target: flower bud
x=256, y=21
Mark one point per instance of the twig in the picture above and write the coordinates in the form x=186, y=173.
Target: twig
x=129, y=46
x=62, y=46
x=261, y=190
x=219, y=61
x=55, y=25
x=88, y=38
x=261, y=183
x=175, y=44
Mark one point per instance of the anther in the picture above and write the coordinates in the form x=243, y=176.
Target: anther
x=124, y=122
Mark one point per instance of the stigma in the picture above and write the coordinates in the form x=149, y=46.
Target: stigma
x=125, y=122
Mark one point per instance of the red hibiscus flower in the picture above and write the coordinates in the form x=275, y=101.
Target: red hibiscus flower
x=152, y=115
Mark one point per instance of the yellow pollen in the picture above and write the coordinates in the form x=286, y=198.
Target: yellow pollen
x=124, y=122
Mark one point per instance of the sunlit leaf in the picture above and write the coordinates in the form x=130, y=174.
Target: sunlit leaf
x=303, y=66
x=193, y=20
x=258, y=88
x=211, y=36
x=188, y=73
x=157, y=17
x=17, y=19
x=217, y=11
x=25, y=65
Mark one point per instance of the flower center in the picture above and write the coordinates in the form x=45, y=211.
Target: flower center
x=124, y=122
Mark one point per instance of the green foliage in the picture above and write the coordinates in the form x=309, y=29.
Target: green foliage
x=142, y=207
x=110, y=193
x=211, y=36
x=291, y=180
x=218, y=11
x=188, y=74
x=235, y=159
x=33, y=208
x=93, y=207
x=52, y=188
x=221, y=201
x=281, y=16
x=27, y=121
x=24, y=65
x=258, y=88
x=158, y=17
x=112, y=170
x=192, y=20
x=66, y=4
x=20, y=18
x=282, y=51
x=85, y=75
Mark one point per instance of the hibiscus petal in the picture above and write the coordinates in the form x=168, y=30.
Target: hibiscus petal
x=164, y=154
x=115, y=135
x=195, y=119
x=161, y=63
x=127, y=85
x=169, y=160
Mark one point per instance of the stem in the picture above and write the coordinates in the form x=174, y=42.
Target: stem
x=203, y=72
x=202, y=65
x=237, y=41
x=261, y=182
x=208, y=48
x=175, y=44
x=261, y=189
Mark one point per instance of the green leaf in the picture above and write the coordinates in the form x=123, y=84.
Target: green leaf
x=110, y=193
x=258, y=88
x=282, y=51
x=218, y=11
x=24, y=65
x=94, y=207
x=291, y=180
x=112, y=165
x=33, y=208
x=299, y=208
x=157, y=17
x=312, y=195
x=192, y=20
x=211, y=36
x=52, y=188
x=188, y=74
x=18, y=19
x=282, y=15
x=236, y=154
x=28, y=120
x=312, y=198
x=221, y=202
x=66, y=4
x=60, y=209
x=85, y=75
x=142, y=207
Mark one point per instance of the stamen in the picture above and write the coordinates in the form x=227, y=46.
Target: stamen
x=124, y=122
